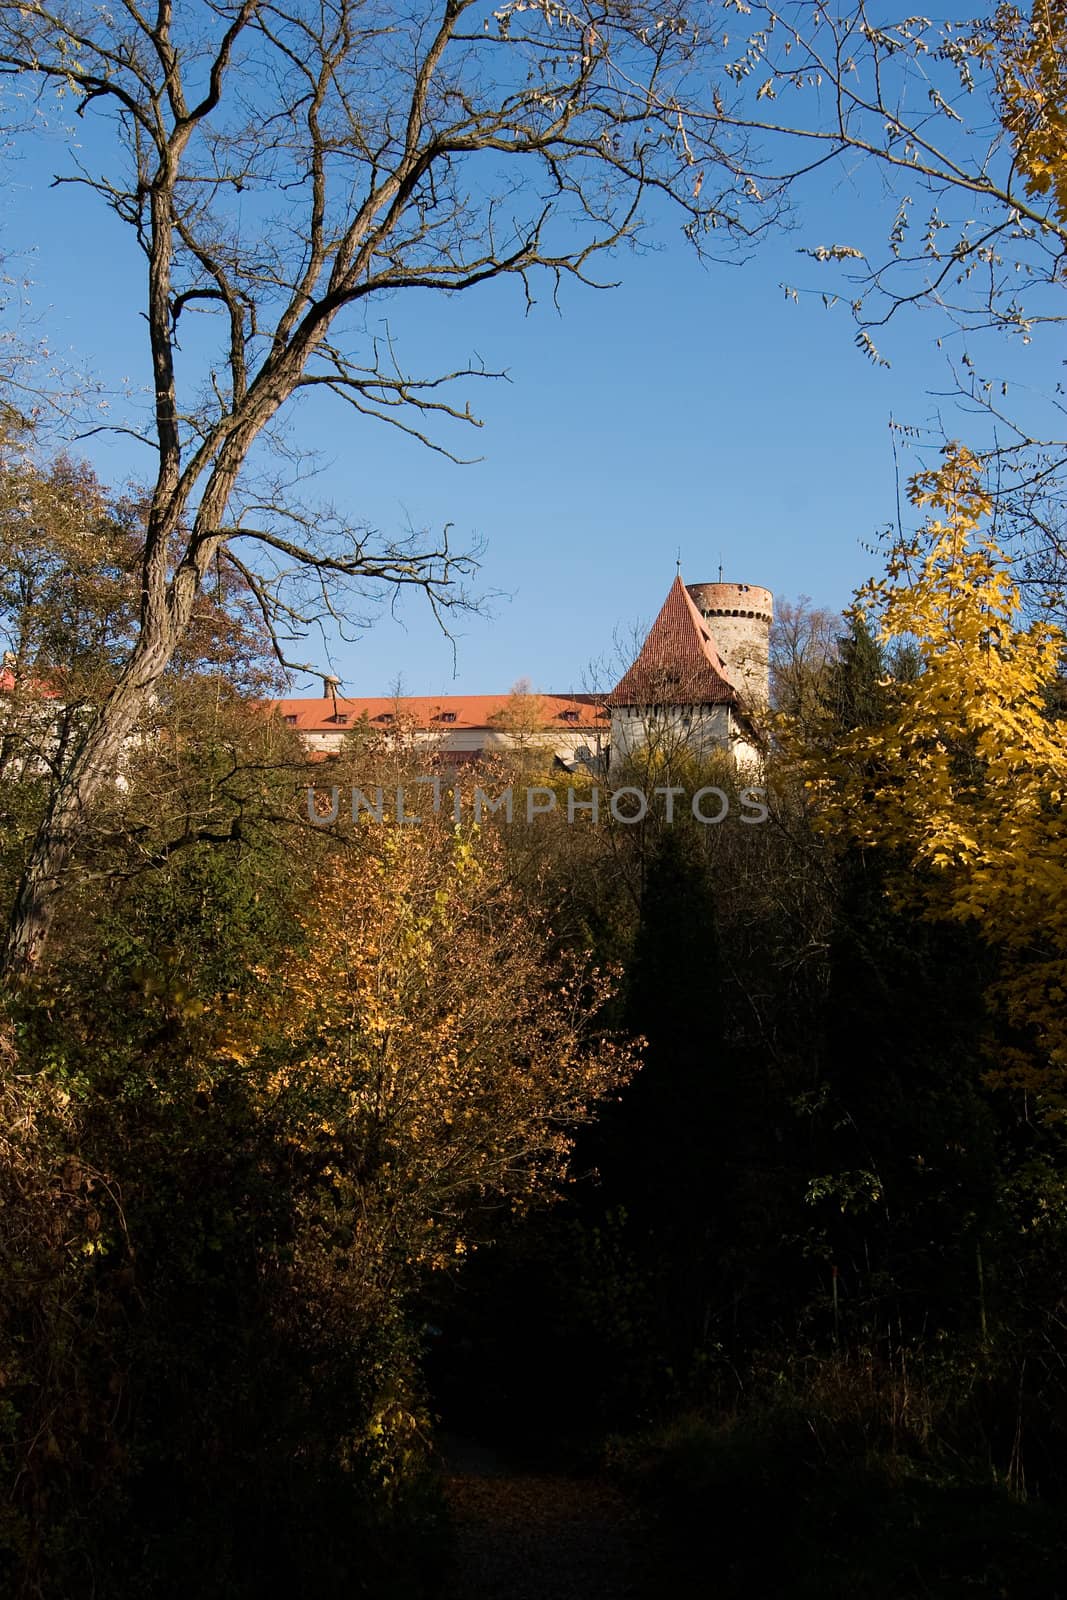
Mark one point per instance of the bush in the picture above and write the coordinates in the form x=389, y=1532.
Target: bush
x=837, y=1487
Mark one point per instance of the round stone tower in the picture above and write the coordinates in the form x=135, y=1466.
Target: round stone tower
x=739, y=616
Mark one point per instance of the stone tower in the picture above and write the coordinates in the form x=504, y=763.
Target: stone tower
x=738, y=616
x=680, y=694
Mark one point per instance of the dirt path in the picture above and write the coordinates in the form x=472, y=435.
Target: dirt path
x=520, y=1536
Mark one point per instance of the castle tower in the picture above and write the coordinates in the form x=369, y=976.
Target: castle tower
x=738, y=617
x=679, y=695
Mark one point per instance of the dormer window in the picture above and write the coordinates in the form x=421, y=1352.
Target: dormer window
x=384, y=716
x=290, y=718
x=340, y=716
x=568, y=716
x=446, y=716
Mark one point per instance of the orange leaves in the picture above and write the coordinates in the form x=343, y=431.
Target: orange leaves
x=422, y=1045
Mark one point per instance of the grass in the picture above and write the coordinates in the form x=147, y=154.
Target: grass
x=835, y=1487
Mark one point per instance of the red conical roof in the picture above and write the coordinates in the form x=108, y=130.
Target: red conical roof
x=679, y=663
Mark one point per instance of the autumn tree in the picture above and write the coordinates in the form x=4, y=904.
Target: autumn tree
x=423, y=1049
x=961, y=778
x=299, y=1094
x=67, y=601
x=202, y=763
x=1032, y=76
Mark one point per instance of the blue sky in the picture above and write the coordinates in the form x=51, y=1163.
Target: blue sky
x=692, y=410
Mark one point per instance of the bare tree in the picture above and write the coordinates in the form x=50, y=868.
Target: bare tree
x=803, y=650
x=279, y=164
x=521, y=723
x=954, y=117
x=960, y=124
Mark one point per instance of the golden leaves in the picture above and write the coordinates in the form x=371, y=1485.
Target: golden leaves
x=1032, y=78
x=964, y=778
x=422, y=1046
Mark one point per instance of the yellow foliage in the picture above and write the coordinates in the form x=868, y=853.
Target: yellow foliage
x=1033, y=86
x=422, y=1049
x=963, y=783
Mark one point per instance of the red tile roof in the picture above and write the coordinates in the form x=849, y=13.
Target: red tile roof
x=438, y=713
x=35, y=686
x=679, y=663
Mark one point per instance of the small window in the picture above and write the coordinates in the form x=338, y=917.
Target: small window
x=446, y=716
x=568, y=716
x=290, y=718
x=339, y=716
x=384, y=716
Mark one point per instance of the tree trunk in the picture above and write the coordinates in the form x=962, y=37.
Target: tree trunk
x=93, y=766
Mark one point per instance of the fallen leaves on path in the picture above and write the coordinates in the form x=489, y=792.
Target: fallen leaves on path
x=521, y=1537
